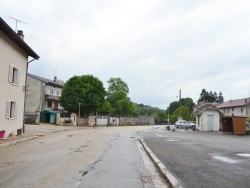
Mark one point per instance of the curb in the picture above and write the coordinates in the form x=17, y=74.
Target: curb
x=166, y=174
x=18, y=141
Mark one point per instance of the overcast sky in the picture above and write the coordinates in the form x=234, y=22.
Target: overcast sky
x=156, y=46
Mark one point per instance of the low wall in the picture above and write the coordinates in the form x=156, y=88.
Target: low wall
x=140, y=120
x=30, y=119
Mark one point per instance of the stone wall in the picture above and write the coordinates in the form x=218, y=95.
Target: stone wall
x=140, y=120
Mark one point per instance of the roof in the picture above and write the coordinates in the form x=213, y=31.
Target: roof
x=205, y=107
x=47, y=81
x=234, y=103
x=7, y=30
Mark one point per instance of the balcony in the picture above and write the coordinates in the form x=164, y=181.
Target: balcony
x=58, y=108
x=51, y=97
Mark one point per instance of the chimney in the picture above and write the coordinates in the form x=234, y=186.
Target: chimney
x=20, y=34
x=55, y=79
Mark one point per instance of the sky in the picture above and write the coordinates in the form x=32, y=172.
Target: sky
x=157, y=47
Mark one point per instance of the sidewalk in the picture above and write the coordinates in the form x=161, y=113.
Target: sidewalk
x=31, y=132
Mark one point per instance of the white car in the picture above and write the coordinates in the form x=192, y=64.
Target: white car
x=184, y=124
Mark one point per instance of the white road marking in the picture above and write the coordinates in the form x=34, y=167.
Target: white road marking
x=244, y=154
x=225, y=159
x=173, y=140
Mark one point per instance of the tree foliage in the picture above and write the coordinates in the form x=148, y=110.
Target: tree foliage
x=146, y=110
x=106, y=107
x=184, y=102
x=206, y=96
x=117, y=96
x=117, y=84
x=125, y=107
x=87, y=90
x=185, y=113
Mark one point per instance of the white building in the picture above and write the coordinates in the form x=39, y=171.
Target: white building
x=14, y=53
x=207, y=117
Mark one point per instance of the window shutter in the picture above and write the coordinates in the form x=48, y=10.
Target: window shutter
x=18, y=77
x=10, y=73
x=16, y=111
x=7, y=113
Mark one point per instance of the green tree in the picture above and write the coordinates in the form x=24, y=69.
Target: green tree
x=106, y=107
x=203, y=96
x=173, y=106
x=87, y=90
x=188, y=102
x=114, y=97
x=184, y=102
x=173, y=118
x=125, y=107
x=116, y=84
x=206, y=96
x=185, y=113
x=220, y=98
x=117, y=97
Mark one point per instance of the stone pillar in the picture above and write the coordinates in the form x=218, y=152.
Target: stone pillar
x=58, y=119
x=37, y=117
x=73, y=118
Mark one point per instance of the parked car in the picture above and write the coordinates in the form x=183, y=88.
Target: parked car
x=184, y=124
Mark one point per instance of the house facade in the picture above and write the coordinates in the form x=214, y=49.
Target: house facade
x=237, y=107
x=43, y=95
x=14, y=54
x=207, y=117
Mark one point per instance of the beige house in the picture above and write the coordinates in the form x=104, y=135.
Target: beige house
x=237, y=107
x=14, y=54
x=43, y=95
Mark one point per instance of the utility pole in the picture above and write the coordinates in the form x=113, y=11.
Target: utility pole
x=168, y=115
x=17, y=21
x=180, y=103
x=79, y=114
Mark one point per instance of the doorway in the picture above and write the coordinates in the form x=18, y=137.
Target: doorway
x=210, y=120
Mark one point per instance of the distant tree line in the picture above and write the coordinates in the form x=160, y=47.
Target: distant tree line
x=206, y=96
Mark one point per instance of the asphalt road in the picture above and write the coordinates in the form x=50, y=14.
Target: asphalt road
x=202, y=159
x=107, y=157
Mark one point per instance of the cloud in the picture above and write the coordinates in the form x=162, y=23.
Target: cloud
x=157, y=47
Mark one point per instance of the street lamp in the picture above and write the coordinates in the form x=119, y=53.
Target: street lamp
x=79, y=110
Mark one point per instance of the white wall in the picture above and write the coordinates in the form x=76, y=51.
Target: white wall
x=236, y=111
x=203, y=124
x=11, y=54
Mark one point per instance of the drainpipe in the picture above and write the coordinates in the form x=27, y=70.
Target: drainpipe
x=25, y=90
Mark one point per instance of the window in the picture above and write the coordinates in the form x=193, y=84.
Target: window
x=49, y=105
x=232, y=109
x=14, y=75
x=241, y=110
x=11, y=110
x=56, y=93
x=51, y=91
x=227, y=110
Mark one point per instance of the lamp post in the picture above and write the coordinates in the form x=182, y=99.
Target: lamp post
x=79, y=110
